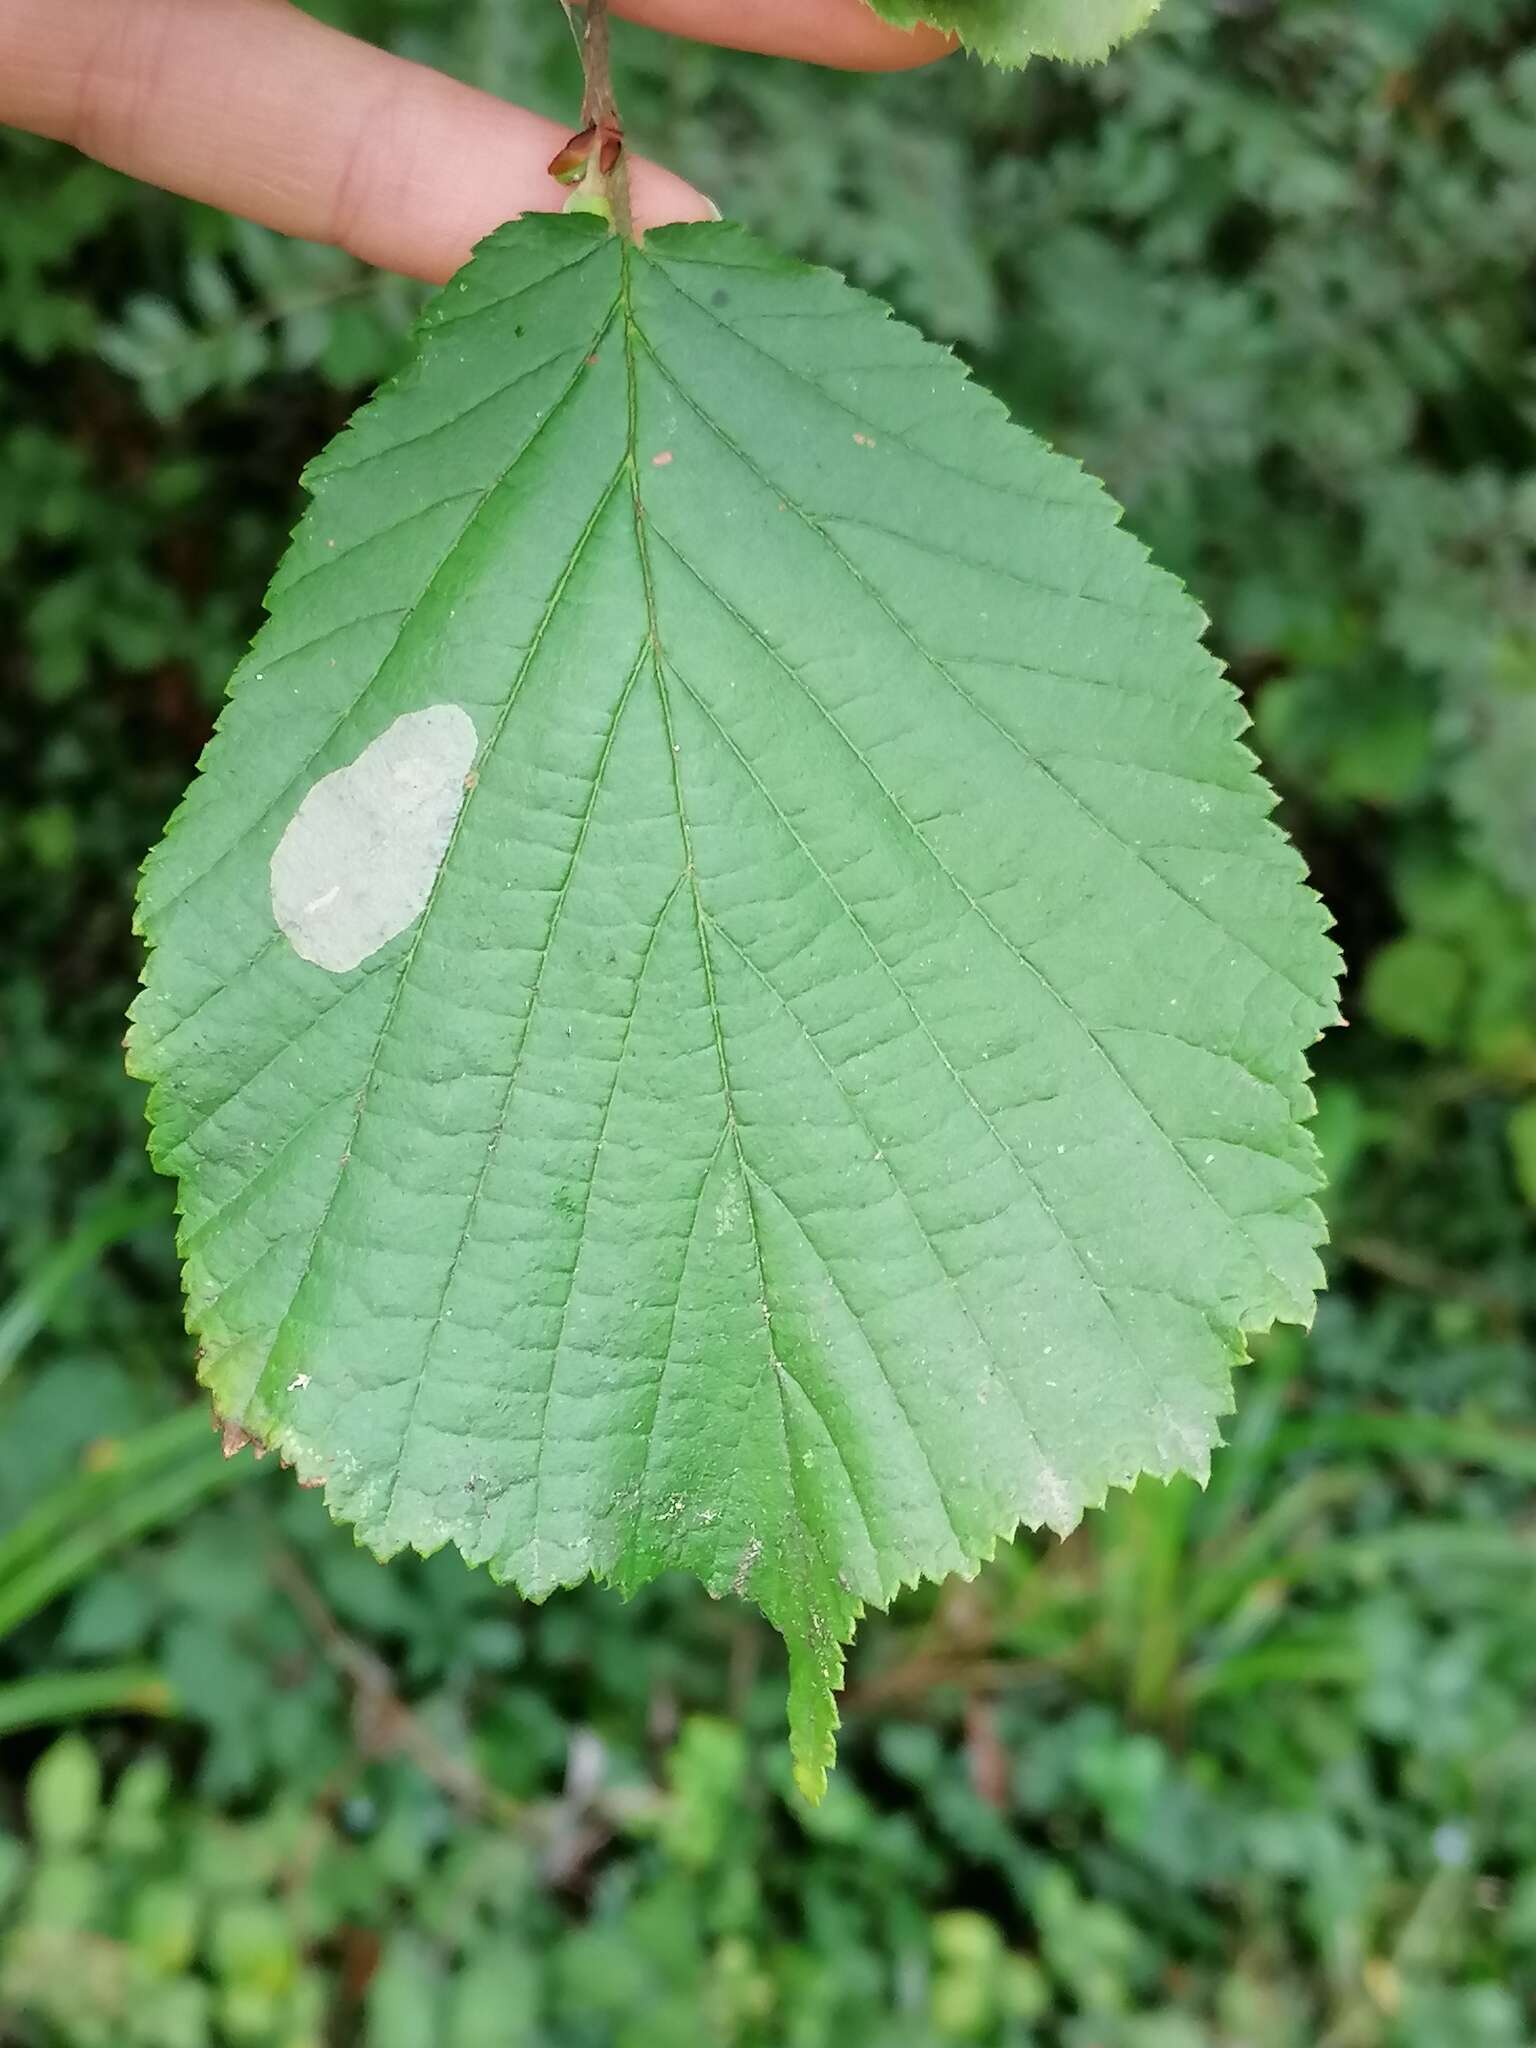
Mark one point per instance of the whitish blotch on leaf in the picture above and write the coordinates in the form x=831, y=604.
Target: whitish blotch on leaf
x=356, y=865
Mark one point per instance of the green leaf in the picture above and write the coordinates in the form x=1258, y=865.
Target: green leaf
x=1013, y=31
x=726, y=996
x=1522, y=1146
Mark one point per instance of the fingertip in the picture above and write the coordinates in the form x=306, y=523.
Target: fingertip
x=909, y=49
x=659, y=197
x=845, y=34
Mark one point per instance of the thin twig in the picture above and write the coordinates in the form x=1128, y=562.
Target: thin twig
x=599, y=109
x=905, y=1684
x=1407, y=1267
x=385, y=1725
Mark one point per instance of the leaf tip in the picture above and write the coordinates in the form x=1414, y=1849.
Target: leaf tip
x=815, y=1675
x=810, y=1780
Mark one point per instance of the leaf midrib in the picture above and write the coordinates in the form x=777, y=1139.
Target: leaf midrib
x=776, y=1363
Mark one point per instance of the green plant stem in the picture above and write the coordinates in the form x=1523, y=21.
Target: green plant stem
x=599, y=109
x=117, y=1467
x=1247, y=1556
x=154, y=1476
x=72, y=1695
x=1405, y=1267
x=30, y=1307
x=1489, y=1444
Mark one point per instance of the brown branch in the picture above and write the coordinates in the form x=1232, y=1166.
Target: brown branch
x=903, y=1686
x=383, y=1723
x=1407, y=1267
x=568, y=1832
x=608, y=168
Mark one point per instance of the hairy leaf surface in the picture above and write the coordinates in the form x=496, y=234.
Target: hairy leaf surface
x=726, y=996
x=1013, y=31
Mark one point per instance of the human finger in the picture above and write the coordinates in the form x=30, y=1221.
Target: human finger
x=255, y=107
x=846, y=33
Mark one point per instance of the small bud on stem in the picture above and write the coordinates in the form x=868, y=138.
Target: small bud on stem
x=593, y=160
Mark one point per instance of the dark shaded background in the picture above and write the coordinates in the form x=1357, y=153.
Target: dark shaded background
x=1252, y=1769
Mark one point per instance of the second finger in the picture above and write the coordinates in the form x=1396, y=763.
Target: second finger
x=846, y=33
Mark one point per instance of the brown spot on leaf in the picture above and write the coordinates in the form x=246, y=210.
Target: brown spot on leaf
x=660, y=461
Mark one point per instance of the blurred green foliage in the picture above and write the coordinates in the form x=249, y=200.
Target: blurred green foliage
x=1248, y=1769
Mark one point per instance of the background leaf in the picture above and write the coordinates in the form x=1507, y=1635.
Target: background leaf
x=1012, y=31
